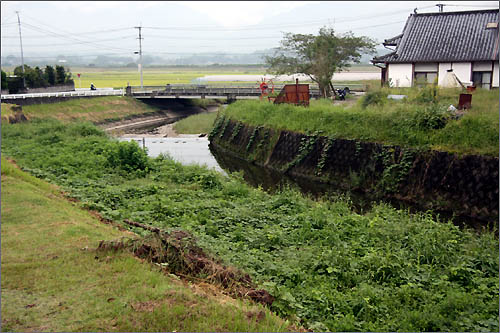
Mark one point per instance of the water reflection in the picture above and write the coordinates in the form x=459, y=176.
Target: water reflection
x=184, y=150
x=362, y=202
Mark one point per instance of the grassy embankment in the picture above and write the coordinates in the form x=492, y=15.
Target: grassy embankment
x=54, y=280
x=419, y=121
x=96, y=110
x=333, y=269
x=199, y=123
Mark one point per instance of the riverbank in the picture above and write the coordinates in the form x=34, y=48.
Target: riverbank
x=326, y=266
x=419, y=121
x=193, y=126
x=462, y=185
x=54, y=279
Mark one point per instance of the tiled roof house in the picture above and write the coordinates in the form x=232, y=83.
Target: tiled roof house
x=435, y=44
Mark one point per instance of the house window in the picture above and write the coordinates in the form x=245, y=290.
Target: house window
x=482, y=74
x=425, y=73
x=422, y=78
x=481, y=79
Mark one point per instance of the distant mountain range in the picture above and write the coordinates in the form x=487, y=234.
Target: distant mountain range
x=256, y=57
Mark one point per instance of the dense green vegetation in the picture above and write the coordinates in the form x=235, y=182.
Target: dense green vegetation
x=421, y=120
x=53, y=280
x=36, y=78
x=387, y=270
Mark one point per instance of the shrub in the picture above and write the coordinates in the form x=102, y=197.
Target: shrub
x=86, y=129
x=431, y=117
x=374, y=97
x=127, y=156
x=4, y=80
x=428, y=94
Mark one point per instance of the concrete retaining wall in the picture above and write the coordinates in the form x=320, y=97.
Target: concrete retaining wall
x=58, y=88
x=42, y=100
x=466, y=185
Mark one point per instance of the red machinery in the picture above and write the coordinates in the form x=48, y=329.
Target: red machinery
x=264, y=88
x=297, y=94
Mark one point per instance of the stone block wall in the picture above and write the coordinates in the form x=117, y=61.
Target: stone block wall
x=466, y=185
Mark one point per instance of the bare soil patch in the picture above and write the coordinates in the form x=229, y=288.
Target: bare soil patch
x=179, y=253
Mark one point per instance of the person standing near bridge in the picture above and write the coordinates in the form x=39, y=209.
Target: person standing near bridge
x=92, y=87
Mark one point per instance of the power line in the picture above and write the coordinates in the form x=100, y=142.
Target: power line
x=75, y=56
x=38, y=29
x=81, y=33
x=68, y=44
x=297, y=24
x=208, y=38
x=479, y=6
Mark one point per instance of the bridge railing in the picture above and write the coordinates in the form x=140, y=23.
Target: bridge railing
x=118, y=92
x=231, y=88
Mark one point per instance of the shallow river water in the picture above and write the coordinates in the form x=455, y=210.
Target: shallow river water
x=196, y=150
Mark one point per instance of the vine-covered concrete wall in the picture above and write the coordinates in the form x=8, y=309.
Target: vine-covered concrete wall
x=466, y=185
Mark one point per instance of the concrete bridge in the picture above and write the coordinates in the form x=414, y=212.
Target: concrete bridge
x=204, y=91
x=181, y=91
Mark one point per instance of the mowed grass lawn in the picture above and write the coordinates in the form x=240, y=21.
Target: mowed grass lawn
x=53, y=279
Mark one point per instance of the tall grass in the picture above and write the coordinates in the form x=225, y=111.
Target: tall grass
x=199, y=123
x=412, y=122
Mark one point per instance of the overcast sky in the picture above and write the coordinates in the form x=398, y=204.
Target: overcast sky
x=171, y=28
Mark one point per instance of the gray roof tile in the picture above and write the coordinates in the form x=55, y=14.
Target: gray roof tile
x=448, y=36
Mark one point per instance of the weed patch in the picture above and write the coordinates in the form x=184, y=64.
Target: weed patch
x=324, y=265
x=421, y=120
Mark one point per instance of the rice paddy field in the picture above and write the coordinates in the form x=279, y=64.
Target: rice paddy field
x=119, y=77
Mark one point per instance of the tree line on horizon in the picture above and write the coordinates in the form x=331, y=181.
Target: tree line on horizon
x=36, y=77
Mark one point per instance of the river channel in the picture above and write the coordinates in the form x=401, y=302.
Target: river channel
x=195, y=149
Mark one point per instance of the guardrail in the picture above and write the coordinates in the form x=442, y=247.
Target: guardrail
x=119, y=92
x=218, y=88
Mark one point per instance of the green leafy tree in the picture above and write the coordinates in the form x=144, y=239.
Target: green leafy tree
x=319, y=57
x=50, y=75
x=39, y=78
x=4, y=81
x=60, y=74
x=18, y=71
x=34, y=77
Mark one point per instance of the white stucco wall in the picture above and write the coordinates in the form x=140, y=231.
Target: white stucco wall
x=443, y=68
x=463, y=71
x=495, y=74
x=480, y=66
x=400, y=74
x=426, y=67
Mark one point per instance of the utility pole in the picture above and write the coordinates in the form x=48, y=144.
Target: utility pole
x=440, y=6
x=140, y=52
x=21, y=41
